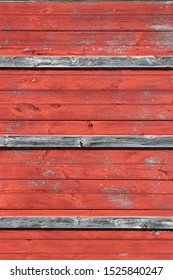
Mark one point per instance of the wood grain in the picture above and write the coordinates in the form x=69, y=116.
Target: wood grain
x=102, y=141
x=90, y=96
x=86, y=22
x=86, y=127
x=86, y=43
x=87, y=222
x=158, y=7
x=84, y=212
x=70, y=201
x=78, y=256
x=112, y=62
x=86, y=156
x=81, y=185
x=85, y=234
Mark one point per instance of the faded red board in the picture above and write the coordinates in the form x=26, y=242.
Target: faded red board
x=114, y=28
x=49, y=244
x=86, y=127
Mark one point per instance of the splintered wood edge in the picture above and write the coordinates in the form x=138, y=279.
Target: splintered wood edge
x=101, y=141
x=112, y=62
x=110, y=222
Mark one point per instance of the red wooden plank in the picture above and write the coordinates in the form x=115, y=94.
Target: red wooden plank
x=85, y=112
x=111, y=8
x=77, y=256
x=82, y=187
x=90, y=212
x=86, y=127
x=123, y=256
x=94, y=171
x=100, y=234
x=86, y=201
x=87, y=246
x=113, y=82
x=55, y=157
x=78, y=22
x=88, y=96
x=86, y=43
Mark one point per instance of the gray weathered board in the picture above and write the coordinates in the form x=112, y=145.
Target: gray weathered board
x=112, y=62
x=102, y=141
x=87, y=222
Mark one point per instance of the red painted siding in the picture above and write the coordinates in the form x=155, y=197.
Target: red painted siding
x=86, y=102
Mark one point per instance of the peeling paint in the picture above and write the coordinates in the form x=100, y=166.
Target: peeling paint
x=121, y=199
x=162, y=27
x=151, y=160
x=48, y=172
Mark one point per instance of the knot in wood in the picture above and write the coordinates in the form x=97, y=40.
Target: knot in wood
x=82, y=143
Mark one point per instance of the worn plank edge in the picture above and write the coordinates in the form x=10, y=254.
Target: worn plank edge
x=86, y=62
x=99, y=141
x=107, y=222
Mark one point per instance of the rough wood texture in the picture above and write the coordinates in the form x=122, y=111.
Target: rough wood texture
x=86, y=62
x=149, y=141
x=91, y=28
x=86, y=127
x=151, y=43
x=85, y=213
x=88, y=222
x=99, y=95
x=114, y=7
x=81, y=22
x=87, y=234
x=126, y=188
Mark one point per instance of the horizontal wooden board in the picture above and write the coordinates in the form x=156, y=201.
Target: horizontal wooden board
x=58, y=112
x=86, y=43
x=87, y=171
x=84, y=212
x=85, y=22
x=86, y=156
x=91, y=96
x=90, y=247
x=85, y=234
x=47, y=201
x=112, y=62
x=77, y=256
x=43, y=194
x=63, y=81
x=86, y=127
x=87, y=222
x=158, y=7
x=102, y=141
x=85, y=187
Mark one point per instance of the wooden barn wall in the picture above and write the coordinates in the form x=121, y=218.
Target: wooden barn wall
x=86, y=182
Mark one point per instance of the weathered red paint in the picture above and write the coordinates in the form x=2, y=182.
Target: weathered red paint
x=86, y=127
x=86, y=102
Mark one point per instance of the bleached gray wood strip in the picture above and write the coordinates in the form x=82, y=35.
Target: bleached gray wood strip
x=112, y=62
x=87, y=222
x=101, y=141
